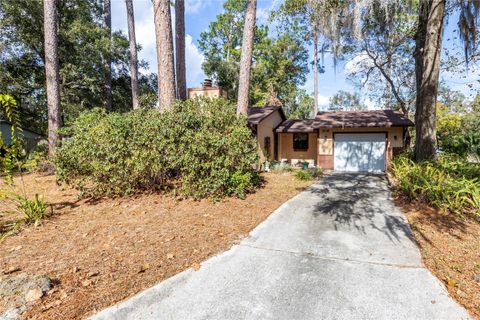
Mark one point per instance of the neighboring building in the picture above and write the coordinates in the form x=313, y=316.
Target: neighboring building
x=30, y=138
x=208, y=90
x=336, y=140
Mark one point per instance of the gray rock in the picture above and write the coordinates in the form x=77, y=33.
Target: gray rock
x=12, y=314
x=33, y=295
x=23, y=289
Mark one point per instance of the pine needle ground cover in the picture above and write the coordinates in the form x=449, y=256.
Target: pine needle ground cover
x=101, y=251
x=442, y=203
x=450, y=247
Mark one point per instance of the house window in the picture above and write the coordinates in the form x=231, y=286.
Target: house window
x=300, y=141
x=266, y=146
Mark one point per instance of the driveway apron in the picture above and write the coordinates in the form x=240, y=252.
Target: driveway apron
x=338, y=250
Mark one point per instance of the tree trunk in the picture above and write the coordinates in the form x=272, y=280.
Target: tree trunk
x=180, y=49
x=246, y=57
x=165, y=59
x=315, y=69
x=427, y=67
x=133, y=53
x=50, y=16
x=107, y=20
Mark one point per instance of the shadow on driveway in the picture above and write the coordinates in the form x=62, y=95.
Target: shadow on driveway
x=360, y=201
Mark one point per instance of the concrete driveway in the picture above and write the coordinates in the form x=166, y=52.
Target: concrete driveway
x=340, y=250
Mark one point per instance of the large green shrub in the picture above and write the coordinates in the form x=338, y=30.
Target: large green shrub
x=448, y=183
x=459, y=133
x=200, y=148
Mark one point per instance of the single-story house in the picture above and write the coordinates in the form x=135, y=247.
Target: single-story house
x=334, y=140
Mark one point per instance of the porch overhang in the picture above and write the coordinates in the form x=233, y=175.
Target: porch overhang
x=296, y=126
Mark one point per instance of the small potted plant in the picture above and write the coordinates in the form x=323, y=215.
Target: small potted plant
x=305, y=165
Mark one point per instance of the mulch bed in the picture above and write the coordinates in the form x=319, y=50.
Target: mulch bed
x=99, y=252
x=450, y=247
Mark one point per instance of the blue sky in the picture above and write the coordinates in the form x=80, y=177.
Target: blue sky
x=199, y=13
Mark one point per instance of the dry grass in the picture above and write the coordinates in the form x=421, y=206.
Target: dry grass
x=99, y=252
x=450, y=248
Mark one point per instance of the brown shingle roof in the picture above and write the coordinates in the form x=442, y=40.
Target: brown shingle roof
x=347, y=119
x=257, y=114
x=357, y=119
x=297, y=126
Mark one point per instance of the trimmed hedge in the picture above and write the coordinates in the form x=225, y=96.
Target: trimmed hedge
x=200, y=148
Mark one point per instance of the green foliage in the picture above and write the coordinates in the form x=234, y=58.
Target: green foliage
x=450, y=184
x=280, y=62
x=458, y=133
x=200, y=148
x=32, y=210
x=377, y=59
x=299, y=105
x=344, y=100
x=37, y=160
x=240, y=183
x=308, y=174
x=83, y=45
x=10, y=153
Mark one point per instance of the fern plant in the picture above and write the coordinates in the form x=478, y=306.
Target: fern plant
x=449, y=183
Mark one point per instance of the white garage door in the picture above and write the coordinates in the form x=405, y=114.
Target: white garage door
x=359, y=152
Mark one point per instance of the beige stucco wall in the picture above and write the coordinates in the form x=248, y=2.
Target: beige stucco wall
x=265, y=129
x=325, y=141
x=286, y=152
x=206, y=92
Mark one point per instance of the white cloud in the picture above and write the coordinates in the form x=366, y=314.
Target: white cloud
x=194, y=6
x=144, y=28
x=370, y=104
x=145, y=34
x=194, y=60
x=323, y=101
x=359, y=62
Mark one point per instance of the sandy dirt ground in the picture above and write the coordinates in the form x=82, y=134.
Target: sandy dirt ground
x=99, y=252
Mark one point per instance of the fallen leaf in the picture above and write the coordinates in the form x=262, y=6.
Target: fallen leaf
x=86, y=283
x=144, y=268
x=170, y=239
x=451, y=282
x=196, y=266
x=92, y=274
